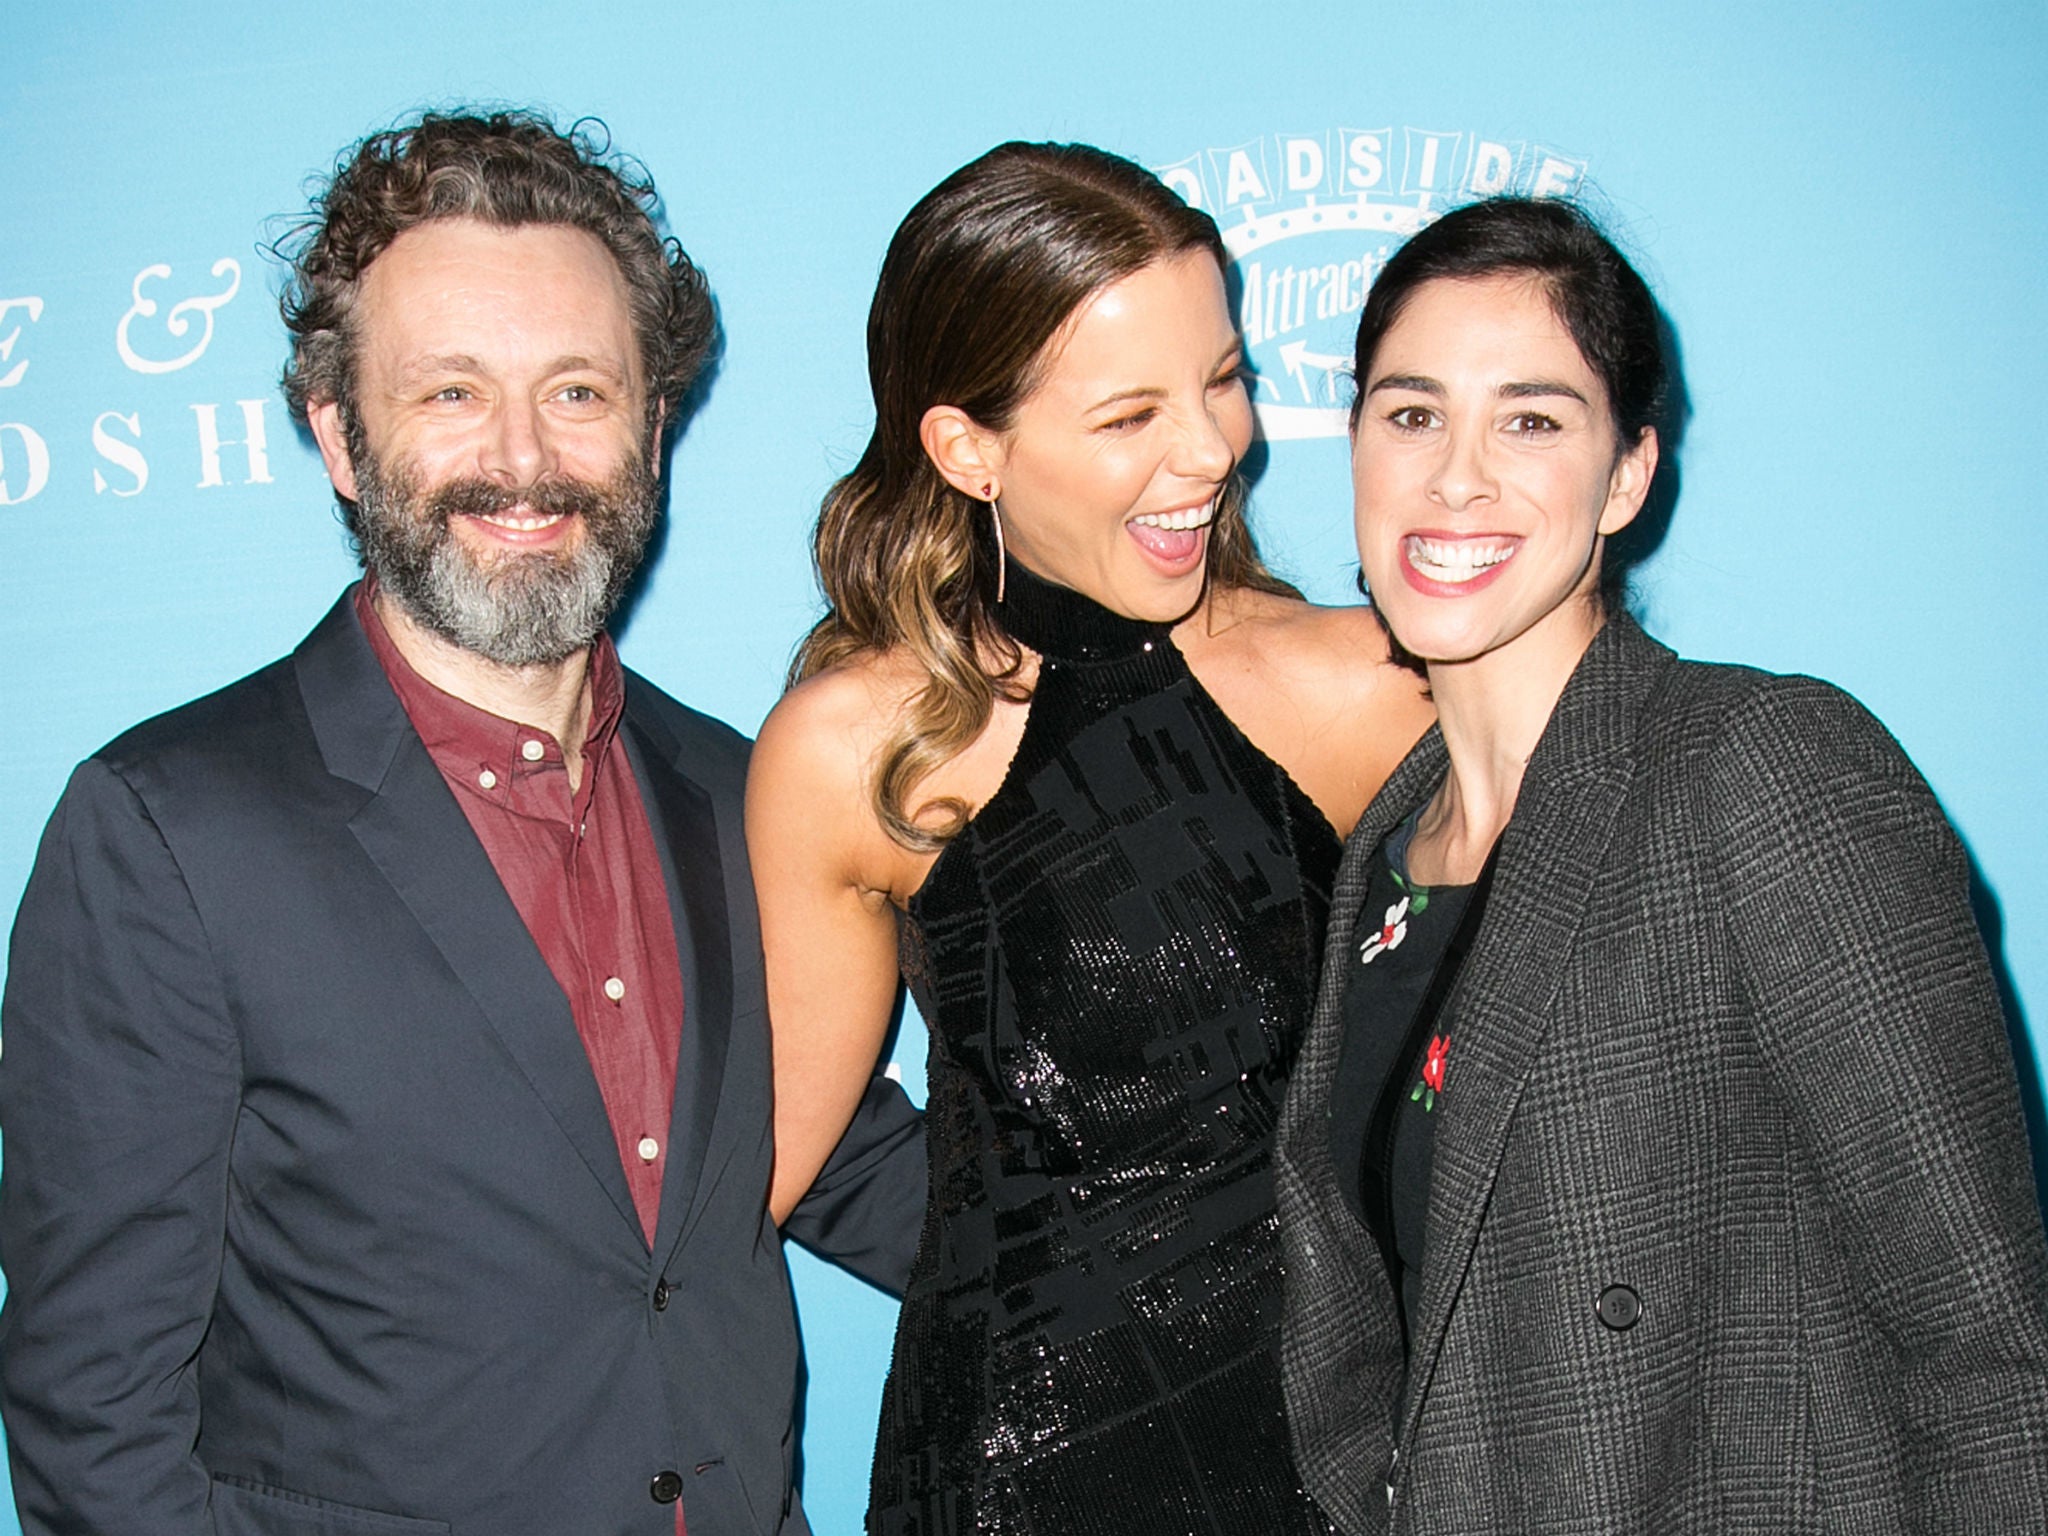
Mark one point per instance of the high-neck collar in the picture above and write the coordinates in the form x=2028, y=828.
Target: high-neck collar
x=1059, y=622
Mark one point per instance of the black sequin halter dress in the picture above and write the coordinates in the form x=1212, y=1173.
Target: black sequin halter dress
x=1115, y=960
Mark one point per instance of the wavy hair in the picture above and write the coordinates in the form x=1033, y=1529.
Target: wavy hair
x=508, y=168
x=979, y=279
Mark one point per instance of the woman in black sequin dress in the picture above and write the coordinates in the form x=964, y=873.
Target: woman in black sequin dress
x=1064, y=746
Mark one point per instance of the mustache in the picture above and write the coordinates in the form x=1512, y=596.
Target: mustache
x=474, y=497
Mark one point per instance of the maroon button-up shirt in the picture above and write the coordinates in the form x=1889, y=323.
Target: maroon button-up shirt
x=582, y=868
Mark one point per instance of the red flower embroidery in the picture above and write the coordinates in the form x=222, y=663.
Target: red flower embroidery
x=1433, y=1066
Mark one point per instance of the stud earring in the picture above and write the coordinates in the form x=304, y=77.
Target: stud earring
x=995, y=512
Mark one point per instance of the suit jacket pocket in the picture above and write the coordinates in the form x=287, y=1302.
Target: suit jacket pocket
x=244, y=1507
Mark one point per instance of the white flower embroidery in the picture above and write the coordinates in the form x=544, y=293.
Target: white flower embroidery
x=1388, y=935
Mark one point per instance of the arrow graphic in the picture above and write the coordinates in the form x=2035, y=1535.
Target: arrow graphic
x=1296, y=358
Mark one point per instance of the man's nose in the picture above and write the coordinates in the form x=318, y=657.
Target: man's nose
x=517, y=451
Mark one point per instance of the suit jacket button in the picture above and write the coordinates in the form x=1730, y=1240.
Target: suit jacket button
x=666, y=1488
x=1620, y=1308
x=661, y=1295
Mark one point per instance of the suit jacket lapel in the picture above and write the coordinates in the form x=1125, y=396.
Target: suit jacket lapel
x=1342, y=1338
x=685, y=827
x=1500, y=1009
x=414, y=831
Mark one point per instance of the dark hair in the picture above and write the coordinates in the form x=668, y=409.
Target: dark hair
x=1600, y=299
x=1598, y=296
x=508, y=168
x=978, y=281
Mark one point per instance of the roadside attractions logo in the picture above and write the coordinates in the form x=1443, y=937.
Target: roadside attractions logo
x=1309, y=219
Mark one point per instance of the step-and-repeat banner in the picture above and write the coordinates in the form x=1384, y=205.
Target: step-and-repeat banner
x=1839, y=209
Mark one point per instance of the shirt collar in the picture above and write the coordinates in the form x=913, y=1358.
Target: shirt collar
x=458, y=733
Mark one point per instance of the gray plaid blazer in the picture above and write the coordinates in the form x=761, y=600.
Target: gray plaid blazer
x=1732, y=1225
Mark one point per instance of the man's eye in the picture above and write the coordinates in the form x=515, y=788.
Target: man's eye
x=451, y=392
x=579, y=394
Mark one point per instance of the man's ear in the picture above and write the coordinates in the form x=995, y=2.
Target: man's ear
x=324, y=417
x=966, y=453
x=1630, y=483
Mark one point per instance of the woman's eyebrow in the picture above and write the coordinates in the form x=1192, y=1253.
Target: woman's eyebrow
x=1532, y=388
x=1122, y=396
x=1422, y=384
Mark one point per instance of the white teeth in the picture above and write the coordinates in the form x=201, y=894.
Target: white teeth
x=527, y=523
x=1179, y=522
x=1455, y=560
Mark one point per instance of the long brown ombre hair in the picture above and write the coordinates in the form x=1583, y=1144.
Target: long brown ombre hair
x=979, y=280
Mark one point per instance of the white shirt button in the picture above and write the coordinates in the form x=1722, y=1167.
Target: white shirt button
x=532, y=751
x=649, y=1149
x=487, y=779
x=614, y=988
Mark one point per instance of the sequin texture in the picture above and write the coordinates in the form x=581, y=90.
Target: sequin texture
x=1115, y=960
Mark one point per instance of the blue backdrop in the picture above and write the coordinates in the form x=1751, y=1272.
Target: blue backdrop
x=1840, y=208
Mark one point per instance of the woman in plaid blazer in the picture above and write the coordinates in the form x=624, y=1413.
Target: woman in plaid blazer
x=1685, y=1189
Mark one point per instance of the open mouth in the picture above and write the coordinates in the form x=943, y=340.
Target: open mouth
x=1174, y=539
x=1456, y=562
x=1186, y=519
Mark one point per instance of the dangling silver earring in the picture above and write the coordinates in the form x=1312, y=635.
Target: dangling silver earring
x=995, y=513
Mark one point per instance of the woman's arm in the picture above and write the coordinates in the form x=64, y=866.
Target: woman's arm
x=1847, y=900
x=827, y=928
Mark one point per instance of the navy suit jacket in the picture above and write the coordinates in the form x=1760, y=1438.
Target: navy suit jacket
x=312, y=1217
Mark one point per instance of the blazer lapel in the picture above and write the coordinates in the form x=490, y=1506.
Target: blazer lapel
x=685, y=827
x=416, y=834
x=1341, y=1341
x=1500, y=1009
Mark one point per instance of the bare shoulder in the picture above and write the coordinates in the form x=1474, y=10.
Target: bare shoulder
x=831, y=723
x=816, y=760
x=1314, y=688
x=1307, y=650
x=808, y=809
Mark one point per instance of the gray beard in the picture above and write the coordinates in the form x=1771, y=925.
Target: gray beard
x=521, y=610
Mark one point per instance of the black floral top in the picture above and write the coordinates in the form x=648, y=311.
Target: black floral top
x=1394, y=1073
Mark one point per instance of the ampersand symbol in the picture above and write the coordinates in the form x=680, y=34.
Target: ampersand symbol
x=175, y=322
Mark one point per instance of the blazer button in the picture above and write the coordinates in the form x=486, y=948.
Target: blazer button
x=1620, y=1308
x=661, y=1295
x=666, y=1488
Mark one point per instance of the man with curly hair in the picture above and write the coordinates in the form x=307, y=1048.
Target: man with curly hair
x=386, y=1089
